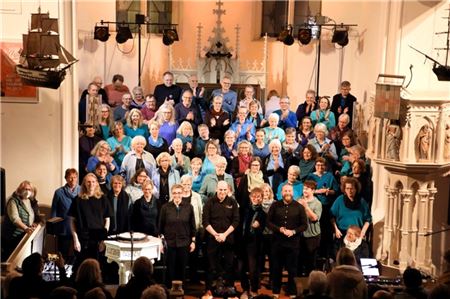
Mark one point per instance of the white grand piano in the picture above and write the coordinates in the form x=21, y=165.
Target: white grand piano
x=119, y=251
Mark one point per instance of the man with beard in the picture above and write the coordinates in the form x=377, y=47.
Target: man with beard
x=287, y=219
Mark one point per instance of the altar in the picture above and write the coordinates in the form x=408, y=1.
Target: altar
x=120, y=251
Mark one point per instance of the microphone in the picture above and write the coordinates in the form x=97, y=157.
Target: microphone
x=132, y=247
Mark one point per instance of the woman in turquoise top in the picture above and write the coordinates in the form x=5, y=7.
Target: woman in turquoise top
x=292, y=179
x=119, y=143
x=105, y=122
x=327, y=186
x=324, y=114
x=260, y=148
x=212, y=153
x=197, y=174
x=350, y=209
x=273, y=131
x=135, y=124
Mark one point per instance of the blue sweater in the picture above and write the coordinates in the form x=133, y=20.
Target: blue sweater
x=346, y=217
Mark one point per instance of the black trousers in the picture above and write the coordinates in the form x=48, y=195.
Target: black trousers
x=65, y=246
x=326, y=230
x=308, y=253
x=220, y=262
x=177, y=259
x=288, y=258
x=251, y=263
x=197, y=258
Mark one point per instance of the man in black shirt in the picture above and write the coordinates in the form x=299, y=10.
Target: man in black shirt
x=287, y=219
x=167, y=92
x=220, y=219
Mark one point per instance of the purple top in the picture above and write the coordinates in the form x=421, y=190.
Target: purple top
x=168, y=132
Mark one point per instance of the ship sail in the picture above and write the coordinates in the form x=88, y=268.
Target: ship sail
x=50, y=24
x=33, y=43
x=49, y=45
x=24, y=45
x=70, y=59
x=36, y=20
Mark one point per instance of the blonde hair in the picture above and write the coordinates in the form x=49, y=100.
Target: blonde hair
x=196, y=159
x=84, y=194
x=162, y=155
x=137, y=139
x=119, y=179
x=184, y=125
x=213, y=143
x=109, y=119
x=159, y=114
x=89, y=273
x=250, y=147
x=267, y=186
x=275, y=142
x=141, y=119
x=22, y=185
x=97, y=147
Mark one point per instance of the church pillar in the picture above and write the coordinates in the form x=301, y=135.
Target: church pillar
x=405, y=229
x=422, y=226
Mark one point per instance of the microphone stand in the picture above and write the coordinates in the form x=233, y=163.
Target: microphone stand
x=437, y=232
x=132, y=247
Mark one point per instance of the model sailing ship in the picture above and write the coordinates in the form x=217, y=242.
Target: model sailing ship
x=441, y=71
x=43, y=60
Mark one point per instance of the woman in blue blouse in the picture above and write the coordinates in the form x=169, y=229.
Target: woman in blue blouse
x=165, y=116
x=292, y=179
x=350, y=209
x=119, y=142
x=135, y=124
x=260, y=148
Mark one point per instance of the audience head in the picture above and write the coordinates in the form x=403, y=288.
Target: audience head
x=358, y=167
x=249, y=91
x=412, y=278
x=63, y=293
x=153, y=128
x=163, y=160
x=230, y=137
x=382, y=294
x=101, y=170
x=147, y=188
x=98, y=81
x=166, y=113
x=196, y=165
x=177, y=145
x=95, y=293
x=272, y=93
x=255, y=164
x=317, y=283
x=33, y=265
x=154, y=292
x=186, y=182
x=321, y=164
x=345, y=257
x=275, y=146
x=308, y=188
x=143, y=268
x=350, y=187
x=193, y=81
x=89, y=273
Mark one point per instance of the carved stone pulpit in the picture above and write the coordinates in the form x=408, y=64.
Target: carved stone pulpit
x=120, y=252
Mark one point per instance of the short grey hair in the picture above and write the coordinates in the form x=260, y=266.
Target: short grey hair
x=137, y=139
x=274, y=142
x=274, y=115
x=321, y=127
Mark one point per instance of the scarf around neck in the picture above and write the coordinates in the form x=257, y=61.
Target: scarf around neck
x=255, y=180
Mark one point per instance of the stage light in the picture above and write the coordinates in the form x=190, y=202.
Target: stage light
x=169, y=36
x=304, y=35
x=101, y=33
x=123, y=34
x=340, y=36
x=286, y=37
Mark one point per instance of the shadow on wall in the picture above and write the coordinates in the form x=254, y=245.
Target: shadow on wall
x=413, y=10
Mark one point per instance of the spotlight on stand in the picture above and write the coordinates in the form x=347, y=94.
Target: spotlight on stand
x=286, y=37
x=101, y=33
x=340, y=36
x=123, y=34
x=169, y=36
x=304, y=35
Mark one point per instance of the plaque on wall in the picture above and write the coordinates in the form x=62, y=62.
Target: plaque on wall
x=387, y=97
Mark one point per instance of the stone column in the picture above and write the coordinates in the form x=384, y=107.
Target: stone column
x=428, y=245
x=422, y=227
x=405, y=229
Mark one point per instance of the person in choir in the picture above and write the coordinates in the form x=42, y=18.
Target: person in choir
x=255, y=116
x=350, y=209
x=61, y=202
x=324, y=146
x=167, y=92
x=260, y=148
x=288, y=119
x=179, y=161
x=212, y=155
x=120, y=112
x=97, y=80
x=308, y=106
x=156, y=144
x=138, y=98
x=347, y=141
x=287, y=219
x=22, y=217
x=228, y=148
x=307, y=162
x=134, y=187
x=135, y=124
x=177, y=228
x=209, y=186
x=198, y=95
x=149, y=109
x=355, y=243
x=105, y=122
x=242, y=163
x=137, y=158
x=116, y=90
x=144, y=217
x=229, y=96
x=293, y=174
x=120, y=202
x=337, y=132
x=273, y=131
x=185, y=133
x=119, y=143
x=305, y=131
x=275, y=165
x=165, y=116
x=291, y=148
x=164, y=177
x=86, y=144
x=197, y=174
x=249, y=96
x=323, y=114
x=201, y=141
x=220, y=219
x=187, y=111
x=272, y=103
x=102, y=153
x=217, y=119
x=343, y=102
x=103, y=177
x=90, y=213
x=310, y=240
x=89, y=106
x=243, y=127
